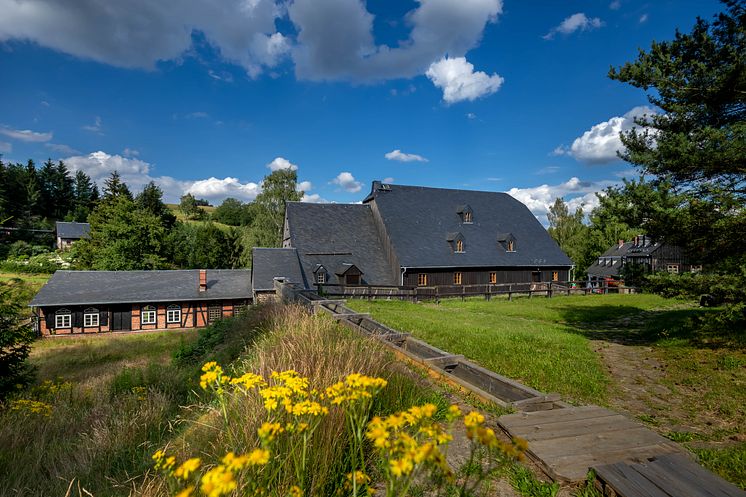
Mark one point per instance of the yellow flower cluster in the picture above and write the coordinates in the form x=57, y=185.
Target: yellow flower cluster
x=269, y=431
x=31, y=407
x=212, y=376
x=355, y=387
x=410, y=439
x=248, y=381
x=187, y=468
x=164, y=462
x=477, y=432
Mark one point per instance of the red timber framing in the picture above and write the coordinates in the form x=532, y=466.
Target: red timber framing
x=89, y=319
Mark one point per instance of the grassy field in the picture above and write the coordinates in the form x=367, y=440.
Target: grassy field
x=535, y=340
x=22, y=287
x=636, y=353
x=174, y=208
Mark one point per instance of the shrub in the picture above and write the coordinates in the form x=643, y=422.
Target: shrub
x=15, y=339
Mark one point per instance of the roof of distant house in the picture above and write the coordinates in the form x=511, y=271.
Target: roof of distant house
x=420, y=221
x=333, y=235
x=115, y=287
x=271, y=263
x=72, y=231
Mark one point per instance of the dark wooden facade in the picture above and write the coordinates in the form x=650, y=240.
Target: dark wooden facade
x=128, y=317
x=481, y=276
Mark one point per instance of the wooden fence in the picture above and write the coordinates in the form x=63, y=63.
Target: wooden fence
x=547, y=289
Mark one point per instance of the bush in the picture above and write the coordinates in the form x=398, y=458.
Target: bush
x=724, y=288
x=15, y=340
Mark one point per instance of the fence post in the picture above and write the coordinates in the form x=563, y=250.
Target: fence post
x=510, y=293
x=549, y=290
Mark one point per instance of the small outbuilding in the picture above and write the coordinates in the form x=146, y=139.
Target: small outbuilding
x=69, y=233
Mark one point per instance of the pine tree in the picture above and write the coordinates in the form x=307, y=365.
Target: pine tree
x=115, y=187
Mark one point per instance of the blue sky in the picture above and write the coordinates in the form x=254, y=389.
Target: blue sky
x=208, y=97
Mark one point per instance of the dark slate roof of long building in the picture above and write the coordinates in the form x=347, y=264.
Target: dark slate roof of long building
x=112, y=287
x=271, y=263
x=419, y=219
x=72, y=231
x=332, y=235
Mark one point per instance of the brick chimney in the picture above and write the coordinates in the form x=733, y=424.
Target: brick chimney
x=202, y=280
x=620, y=243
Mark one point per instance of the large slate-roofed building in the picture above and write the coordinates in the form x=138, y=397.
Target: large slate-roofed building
x=271, y=263
x=96, y=301
x=416, y=236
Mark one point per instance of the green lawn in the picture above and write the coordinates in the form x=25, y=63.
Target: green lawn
x=536, y=341
x=22, y=286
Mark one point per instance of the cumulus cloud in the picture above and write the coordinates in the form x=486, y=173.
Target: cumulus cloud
x=304, y=186
x=400, y=156
x=599, y=145
x=347, y=182
x=576, y=22
x=456, y=77
x=281, y=163
x=313, y=198
x=215, y=188
x=25, y=135
x=575, y=192
x=327, y=49
x=139, y=33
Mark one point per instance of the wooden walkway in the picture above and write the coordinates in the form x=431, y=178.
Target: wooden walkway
x=566, y=443
x=671, y=475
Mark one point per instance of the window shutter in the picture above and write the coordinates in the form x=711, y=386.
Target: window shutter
x=104, y=318
x=78, y=319
x=49, y=318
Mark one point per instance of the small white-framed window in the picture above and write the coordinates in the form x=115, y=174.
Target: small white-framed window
x=173, y=314
x=63, y=319
x=147, y=315
x=696, y=268
x=321, y=277
x=672, y=268
x=90, y=317
x=214, y=312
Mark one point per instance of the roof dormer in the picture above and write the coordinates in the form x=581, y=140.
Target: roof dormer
x=465, y=213
x=507, y=241
x=456, y=240
x=320, y=274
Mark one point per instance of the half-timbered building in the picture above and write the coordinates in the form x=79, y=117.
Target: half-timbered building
x=102, y=301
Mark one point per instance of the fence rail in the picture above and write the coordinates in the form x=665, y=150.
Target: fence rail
x=417, y=293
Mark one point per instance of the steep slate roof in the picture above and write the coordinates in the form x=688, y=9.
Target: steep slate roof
x=114, y=287
x=275, y=262
x=73, y=231
x=617, y=252
x=419, y=220
x=336, y=234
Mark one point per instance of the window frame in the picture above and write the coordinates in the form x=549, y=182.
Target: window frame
x=555, y=275
x=458, y=278
x=511, y=246
x=152, y=313
x=63, y=313
x=355, y=276
x=421, y=279
x=214, y=308
x=170, y=310
x=695, y=268
x=321, y=277
x=493, y=277
x=673, y=268
x=468, y=217
x=94, y=315
x=459, y=246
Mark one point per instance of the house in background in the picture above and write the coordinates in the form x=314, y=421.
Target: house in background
x=417, y=236
x=642, y=251
x=101, y=301
x=270, y=264
x=69, y=233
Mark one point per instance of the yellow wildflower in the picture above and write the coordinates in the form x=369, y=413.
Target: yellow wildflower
x=473, y=419
x=268, y=431
x=187, y=468
x=258, y=457
x=217, y=482
x=248, y=381
x=401, y=467
x=453, y=412
x=187, y=492
x=234, y=463
x=295, y=491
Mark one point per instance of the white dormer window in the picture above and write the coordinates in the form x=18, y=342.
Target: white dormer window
x=321, y=277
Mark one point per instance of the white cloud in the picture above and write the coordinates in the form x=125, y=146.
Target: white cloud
x=197, y=115
x=25, y=135
x=95, y=127
x=61, y=148
x=576, y=22
x=281, y=163
x=388, y=179
x=131, y=152
x=6, y=147
x=560, y=150
x=643, y=18
x=575, y=192
x=471, y=115
x=400, y=156
x=313, y=198
x=599, y=145
x=304, y=186
x=547, y=170
x=328, y=49
x=139, y=33
x=214, y=188
x=457, y=79
x=347, y=182
x=615, y=5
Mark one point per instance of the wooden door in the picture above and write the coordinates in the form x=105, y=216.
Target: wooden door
x=121, y=318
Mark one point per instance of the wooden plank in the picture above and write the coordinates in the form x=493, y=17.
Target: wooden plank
x=696, y=475
x=585, y=444
x=574, y=467
x=627, y=482
x=575, y=428
x=671, y=481
x=515, y=421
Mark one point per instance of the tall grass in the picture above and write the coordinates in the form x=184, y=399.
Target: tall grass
x=319, y=349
